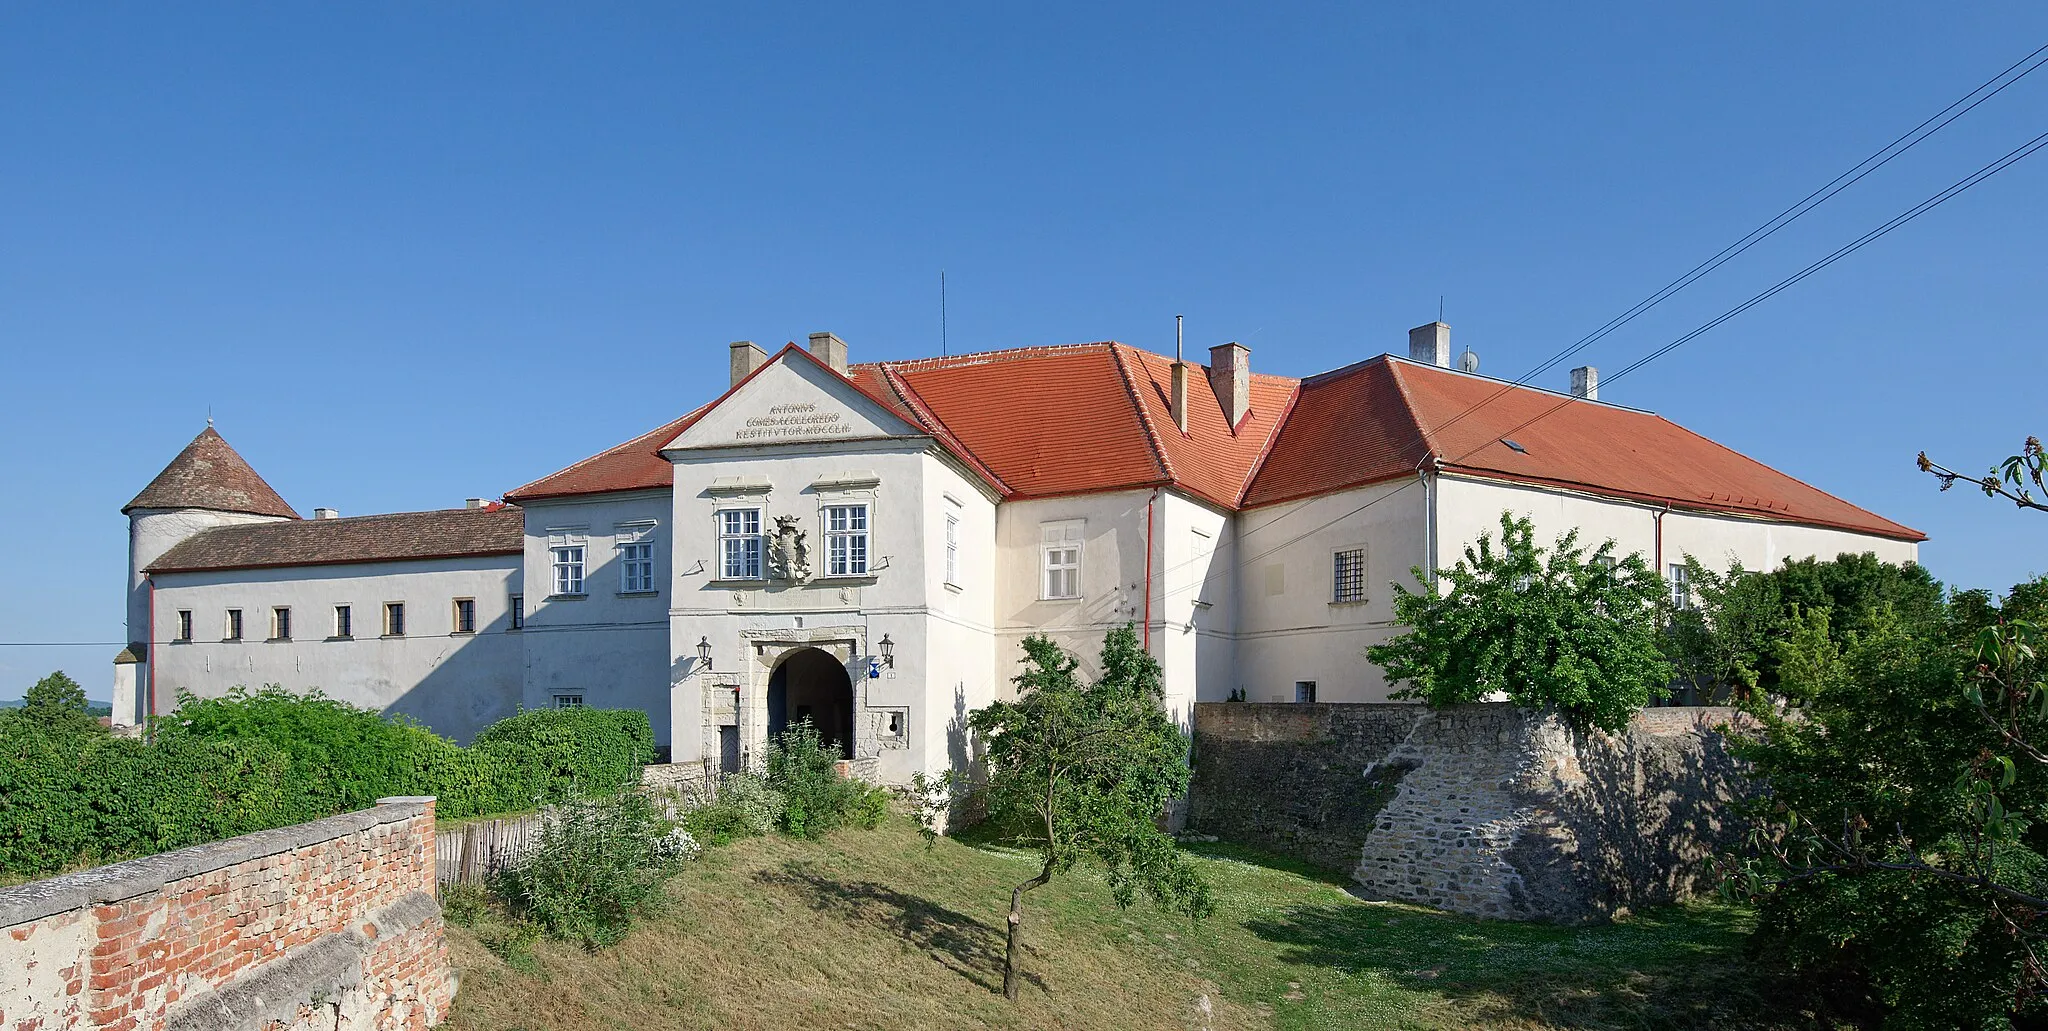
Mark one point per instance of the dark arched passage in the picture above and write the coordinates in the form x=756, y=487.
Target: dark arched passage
x=810, y=684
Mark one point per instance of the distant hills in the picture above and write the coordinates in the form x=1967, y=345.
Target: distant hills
x=96, y=708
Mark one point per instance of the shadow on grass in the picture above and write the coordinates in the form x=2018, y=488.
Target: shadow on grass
x=1680, y=967
x=959, y=942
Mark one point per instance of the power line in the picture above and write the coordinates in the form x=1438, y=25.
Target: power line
x=1911, y=138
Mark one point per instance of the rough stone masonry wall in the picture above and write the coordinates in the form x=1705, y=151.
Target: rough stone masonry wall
x=329, y=925
x=1485, y=809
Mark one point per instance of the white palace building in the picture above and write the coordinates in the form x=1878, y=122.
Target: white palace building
x=866, y=545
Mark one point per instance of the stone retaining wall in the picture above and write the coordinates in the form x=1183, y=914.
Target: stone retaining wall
x=329, y=925
x=1486, y=809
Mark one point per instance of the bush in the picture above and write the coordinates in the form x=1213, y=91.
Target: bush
x=744, y=806
x=817, y=799
x=575, y=750
x=599, y=863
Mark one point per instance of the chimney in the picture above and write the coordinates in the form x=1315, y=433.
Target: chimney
x=831, y=350
x=326, y=513
x=1179, y=401
x=1230, y=375
x=1430, y=345
x=1586, y=382
x=745, y=359
x=472, y=502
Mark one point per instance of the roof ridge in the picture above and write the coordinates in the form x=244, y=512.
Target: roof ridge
x=1251, y=475
x=924, y=411
x=1824, y=493
x=982, y=357
x=1152, y=441
x=1422, y=431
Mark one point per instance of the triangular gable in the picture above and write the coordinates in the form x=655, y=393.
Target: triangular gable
x=792, y=399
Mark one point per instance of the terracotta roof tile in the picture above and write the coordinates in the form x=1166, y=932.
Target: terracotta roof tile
x=1209, y=460
x=447, y=533
x=635, y=465
x=211, y=475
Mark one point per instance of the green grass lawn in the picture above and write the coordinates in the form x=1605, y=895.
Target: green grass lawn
x=872, y=930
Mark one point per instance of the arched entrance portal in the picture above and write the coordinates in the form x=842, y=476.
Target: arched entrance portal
x=811, y=685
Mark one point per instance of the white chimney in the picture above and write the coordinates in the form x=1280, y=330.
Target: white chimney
x=1430, y=345
x=831, y=350
x=326, y=513
x=1586, y=382
x=1230, y=376
x=472, y=502
x=745, y=359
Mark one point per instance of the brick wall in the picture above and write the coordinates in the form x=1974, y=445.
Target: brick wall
x=1487, y=809
x=330, y=925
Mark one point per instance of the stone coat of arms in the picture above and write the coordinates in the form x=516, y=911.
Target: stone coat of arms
x=788, y=557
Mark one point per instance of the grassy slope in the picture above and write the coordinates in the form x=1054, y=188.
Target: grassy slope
x=871, y=930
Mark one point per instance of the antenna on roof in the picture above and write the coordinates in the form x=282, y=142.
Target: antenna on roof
x=209, y=417
x=942, y=313
x=1176, y=337
x=1439, y=307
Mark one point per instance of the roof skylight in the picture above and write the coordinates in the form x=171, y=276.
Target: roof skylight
x=1518, y=449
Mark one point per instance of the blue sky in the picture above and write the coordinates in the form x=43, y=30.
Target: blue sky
x=409, y=253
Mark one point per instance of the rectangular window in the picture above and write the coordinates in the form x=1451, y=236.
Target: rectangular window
x=568, y=701
x=636, y=567
x=739, y=544
x=1059, y=548
x=184, y=624
x=1347, y=576
x=344, y=622
x=394, y=619
x=1304, y=690
x=465, y=615
x=568, y=561
x=846, y=540
x=1681, y=587
x=515, y=609
x=952, y=549
x=234, y=628
x=280, y=624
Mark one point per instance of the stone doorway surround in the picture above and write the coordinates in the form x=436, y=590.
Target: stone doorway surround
x=767, y=648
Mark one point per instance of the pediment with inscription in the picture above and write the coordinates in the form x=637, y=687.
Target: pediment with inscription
x=792, y=400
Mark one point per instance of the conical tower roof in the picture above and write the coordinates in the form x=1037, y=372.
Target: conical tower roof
x=209, y=474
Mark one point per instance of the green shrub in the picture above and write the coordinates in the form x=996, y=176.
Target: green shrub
x=577, y=750
x=599, y=863
x=816, y=798
x=743, y=806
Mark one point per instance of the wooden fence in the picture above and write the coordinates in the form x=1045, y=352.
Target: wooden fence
x=471, y=853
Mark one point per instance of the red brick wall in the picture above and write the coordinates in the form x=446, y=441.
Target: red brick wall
x=327, y=922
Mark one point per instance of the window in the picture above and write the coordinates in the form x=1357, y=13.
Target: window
x=952, y=549
x=1681, y=587
x=344, y=622
x=465, y=615
x=635, y=543
x=1059, y=548
x=1347, y=576
x=1605, y=561
x=515, y=608
x=184, y=624
x=234, y=629
x=566, y=552
x=739, y=543
x=280, y=624
x=894, y=726
x=1304, y=690
x=568, y=701
x=394, y=619
x=846, y=540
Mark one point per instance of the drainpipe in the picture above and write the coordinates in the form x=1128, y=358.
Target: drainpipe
x=149, y=660
x=1658, y=518
x=1428, y=516
x=1154, y=499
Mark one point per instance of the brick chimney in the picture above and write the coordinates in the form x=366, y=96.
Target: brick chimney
x=1586, y=382
x=326, y=513
x=1430, y=345
x=831, y=350
x=745, y=359
x=1180, y=396
x=1230, y=375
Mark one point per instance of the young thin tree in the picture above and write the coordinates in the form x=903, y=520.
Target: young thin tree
x=1091, y=767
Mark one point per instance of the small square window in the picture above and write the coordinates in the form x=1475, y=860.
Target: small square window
x=1304, y=691
x=465, y=615
x=394, y=619
x=280, y=624
x=344, y=622
x=184, y=624
x=568, y=701
x=234, y=627
x=1347, y=576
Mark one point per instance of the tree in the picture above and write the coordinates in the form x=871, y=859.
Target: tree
x=1091, y=767
x=2009, y=479
x=1547, y=628
x=1723, y=639
x=57, y=705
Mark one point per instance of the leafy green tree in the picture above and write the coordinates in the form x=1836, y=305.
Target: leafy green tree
x=1723, y=639
x=1555, y=627
x=1091, y=766
x=56, y=705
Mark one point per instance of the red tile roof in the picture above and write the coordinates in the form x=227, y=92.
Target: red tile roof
x=1081, y=418
x=396, y=537
x=211, y=475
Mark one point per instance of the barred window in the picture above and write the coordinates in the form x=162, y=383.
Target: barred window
x=1347, y=576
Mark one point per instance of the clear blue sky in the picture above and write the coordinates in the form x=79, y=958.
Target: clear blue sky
x=409, y=253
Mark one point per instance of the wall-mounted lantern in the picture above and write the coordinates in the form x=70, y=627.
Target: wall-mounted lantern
x=704, y=651
x=888, y=652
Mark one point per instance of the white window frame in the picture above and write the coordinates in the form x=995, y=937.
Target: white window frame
x=1305, y=687
x=1061, y=550
x=568, y=560
x=1681, y=586
x=233, y=630
x=634, y=543
x=567, y=699
x=849, y=544
x=952, y=549
x=742, y=550
x=1339, y=581
x=344, y=622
